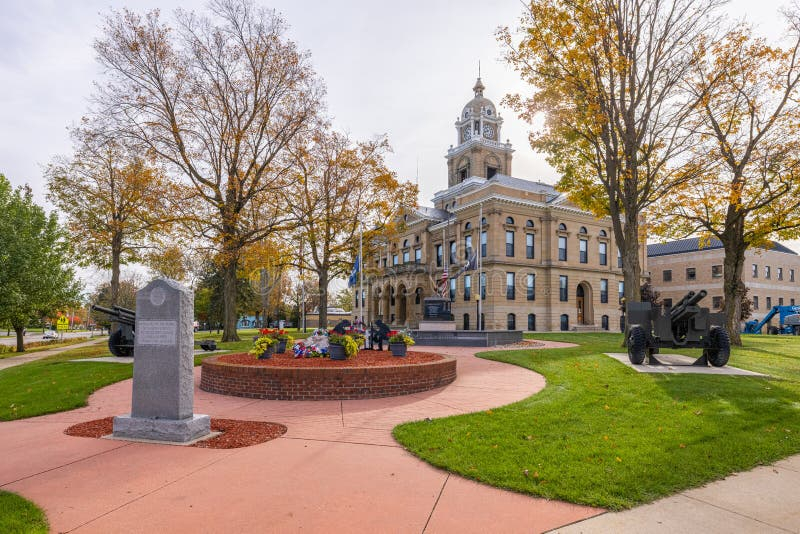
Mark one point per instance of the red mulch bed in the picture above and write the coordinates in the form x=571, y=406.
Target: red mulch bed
x=235, y=434
x=364, y=358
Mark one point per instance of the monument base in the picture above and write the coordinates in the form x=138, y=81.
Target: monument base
x=440, y=326
x=178, y=430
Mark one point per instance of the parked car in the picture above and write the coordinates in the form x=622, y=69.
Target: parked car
x=50, y=334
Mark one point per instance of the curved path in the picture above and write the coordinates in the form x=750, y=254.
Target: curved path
x=336, y=469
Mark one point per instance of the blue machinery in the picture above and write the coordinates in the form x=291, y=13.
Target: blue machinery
x=789, y=321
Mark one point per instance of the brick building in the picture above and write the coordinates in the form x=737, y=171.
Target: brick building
x=545, y=264
x=772, y=274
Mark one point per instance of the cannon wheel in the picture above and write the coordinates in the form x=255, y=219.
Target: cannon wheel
x=637, y=344
x=719, y=346
x=114, y=342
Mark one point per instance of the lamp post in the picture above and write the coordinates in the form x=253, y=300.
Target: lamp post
x=478, y=308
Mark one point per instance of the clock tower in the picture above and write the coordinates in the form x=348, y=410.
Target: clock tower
x=479, y=151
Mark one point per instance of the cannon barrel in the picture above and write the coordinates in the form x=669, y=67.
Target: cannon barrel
x=118, y=314
x=682, y=311
x=685, y=298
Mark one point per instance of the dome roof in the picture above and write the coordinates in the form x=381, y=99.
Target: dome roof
x=479, y=102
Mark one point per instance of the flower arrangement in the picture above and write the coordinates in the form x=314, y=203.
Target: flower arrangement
x=262, y=344
x=349, y=344
x=401, y=337
x=311, y=351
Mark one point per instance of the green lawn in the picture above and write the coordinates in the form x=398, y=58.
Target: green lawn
x=20, y=516
x=604, y=435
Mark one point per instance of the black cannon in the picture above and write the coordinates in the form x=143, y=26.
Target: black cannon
x=120, y=342
x=378, y=333
x=685, y=325
x=341, y=327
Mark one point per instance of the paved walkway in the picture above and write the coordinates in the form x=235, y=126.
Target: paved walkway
x=13, y=361
x=337, y=469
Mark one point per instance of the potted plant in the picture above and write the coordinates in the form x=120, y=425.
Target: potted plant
x=263, y=347
x=341, y=347
x=284, y=339
x=399, y=342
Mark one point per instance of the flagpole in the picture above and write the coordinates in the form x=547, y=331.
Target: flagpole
x=361, y=272
x=480, y=268
x=302, y=289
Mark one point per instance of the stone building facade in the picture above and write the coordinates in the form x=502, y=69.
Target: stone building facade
x=544, y=263
x=772, y=274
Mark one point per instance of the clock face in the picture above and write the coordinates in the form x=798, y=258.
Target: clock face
x=467, y=134
x=488, y=131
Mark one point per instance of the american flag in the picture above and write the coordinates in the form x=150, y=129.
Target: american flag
x=444, y=282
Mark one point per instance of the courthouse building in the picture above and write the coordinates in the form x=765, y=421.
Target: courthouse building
x=544, y=263
x=772, y=274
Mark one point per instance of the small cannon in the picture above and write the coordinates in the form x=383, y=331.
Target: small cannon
x=120, y=342
x=685, y=325
x=378, y=333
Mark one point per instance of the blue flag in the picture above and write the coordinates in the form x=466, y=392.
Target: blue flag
x=351, y=282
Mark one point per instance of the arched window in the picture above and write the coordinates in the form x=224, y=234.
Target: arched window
x=562, y=227
x=447, y=207
x=468, y=226
x=564, y=322
x=416, y=239
x=604, y=322
x=418, y=295
x=483, y=221
x=466, y=321
x=512, y=321
x=529, y=223
x=603, y=233
x=405, y=243
x=509, y=220
x=583, y=230
x=531, y=321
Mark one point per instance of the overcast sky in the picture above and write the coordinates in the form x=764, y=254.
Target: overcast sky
x=400, y=68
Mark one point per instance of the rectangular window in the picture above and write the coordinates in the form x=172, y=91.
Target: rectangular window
x=667, y=303
x=603, y=253
x=791, y=275
x=755, y=302
x=417, y=256
x=562, y=248
x=510, y=286
x=562, y=288
x=619, y=259
x=483, y=244
x=531, y=287
x=780, y=273
x=755, y=270
x=529, y=246
x=716, y=271
x=395, y=260
x=483, y=286
x=780, y=301
x=452, y=290
x=769, y=302
x=453, y=258
x=467, y=287
x=363, y=297
x=384, y=263
x=439, y=255
x=791, y=302
x=603, y=291
x=716, y=302
x=467, y=247
x=621, y=291
x=691, y=273
x=767, y=272
x=667, y=275
x=509, y=243
x=583, y=249
x=406, y=256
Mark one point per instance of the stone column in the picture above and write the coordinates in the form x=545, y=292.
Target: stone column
x=163, y=368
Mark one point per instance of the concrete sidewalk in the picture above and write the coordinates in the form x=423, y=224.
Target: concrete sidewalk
x=337, y=469
x=26, y=357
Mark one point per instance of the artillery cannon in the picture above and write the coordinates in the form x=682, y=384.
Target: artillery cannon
x=120, y=342
x=685, y=325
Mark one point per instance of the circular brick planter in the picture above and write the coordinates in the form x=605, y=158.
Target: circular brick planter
x=324, y=383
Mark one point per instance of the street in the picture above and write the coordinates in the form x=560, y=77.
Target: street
x=36, y=335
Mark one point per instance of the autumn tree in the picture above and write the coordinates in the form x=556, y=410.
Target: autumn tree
x=115, y=196
x=341, y=188
x=125, y=297
x=218, y=97
x=747, y=157
x=607, y=77
x=36, y=277
x=265, y=264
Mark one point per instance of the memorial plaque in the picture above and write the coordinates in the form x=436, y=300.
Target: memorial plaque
x=157, y=332
x=436, y=309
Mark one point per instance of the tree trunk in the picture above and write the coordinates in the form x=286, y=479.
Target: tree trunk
x=732, y=285
x=20, y=339
x=631, y=268
x=116, y=254
x=229, y=313
x=322, y=286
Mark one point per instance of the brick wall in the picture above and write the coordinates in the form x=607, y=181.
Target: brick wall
x=281, y=383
